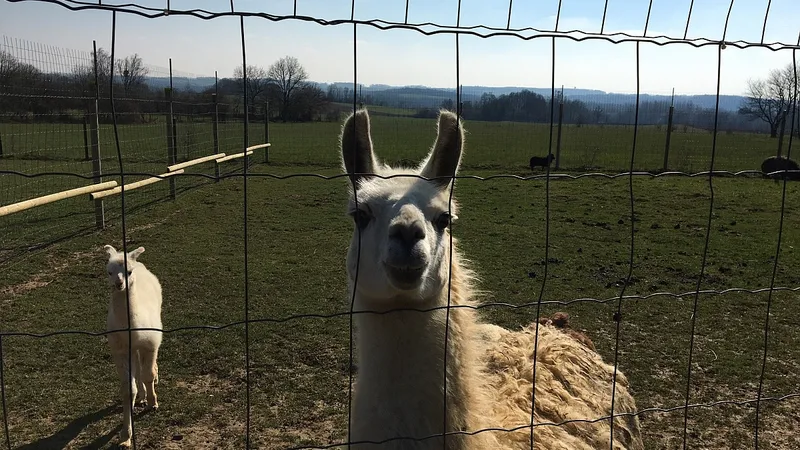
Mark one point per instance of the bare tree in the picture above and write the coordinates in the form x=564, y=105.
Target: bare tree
x=256, y=84
x=132, y=71
x=84, y=73
x=771, y=99
x=288, y=75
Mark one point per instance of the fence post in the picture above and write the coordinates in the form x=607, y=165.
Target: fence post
x=782, y=132
x=94, y=128
x=175, y=138
x=1, y=145
x=85, y=138
x=171, y=156
x=266, y=132
x=669, y=137
x=558, y=139
x=215, y=123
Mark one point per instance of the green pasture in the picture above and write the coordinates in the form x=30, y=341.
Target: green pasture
x=61, y=391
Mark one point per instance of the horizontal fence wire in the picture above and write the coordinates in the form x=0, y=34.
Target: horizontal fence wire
x=430, y=28
x=486, y=305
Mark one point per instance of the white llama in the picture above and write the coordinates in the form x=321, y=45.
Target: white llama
x=405, y=262
x=144, y=292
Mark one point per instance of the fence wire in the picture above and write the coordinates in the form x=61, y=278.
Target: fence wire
x=429, y=28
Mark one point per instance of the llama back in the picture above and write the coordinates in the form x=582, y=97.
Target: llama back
x=572, y=383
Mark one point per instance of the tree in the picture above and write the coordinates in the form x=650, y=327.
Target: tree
x=257, y=81
x=770, y=99
x=84, y=73
x=133, y=72
x=288, y=75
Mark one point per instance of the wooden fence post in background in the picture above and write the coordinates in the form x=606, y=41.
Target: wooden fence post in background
x=669, y=131
x=560, y=124
x=669, y=137
x=94, y=133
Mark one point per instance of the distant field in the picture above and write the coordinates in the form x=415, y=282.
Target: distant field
x=61, y=391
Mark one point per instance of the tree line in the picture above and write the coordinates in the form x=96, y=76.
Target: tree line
x=284, y=92
x=28, y=94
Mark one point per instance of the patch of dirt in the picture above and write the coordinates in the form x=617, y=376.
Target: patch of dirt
x=44, y=278
x=320, y=432
x=203, y=436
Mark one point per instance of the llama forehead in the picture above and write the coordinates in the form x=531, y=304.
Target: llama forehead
x=117, y=261
x=388, y=195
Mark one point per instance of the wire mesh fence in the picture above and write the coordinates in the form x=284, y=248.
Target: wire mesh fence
x=646, y=294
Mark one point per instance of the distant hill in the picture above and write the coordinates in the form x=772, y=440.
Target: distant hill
x=423, y=96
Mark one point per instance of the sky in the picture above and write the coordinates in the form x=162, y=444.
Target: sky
x=407, y=57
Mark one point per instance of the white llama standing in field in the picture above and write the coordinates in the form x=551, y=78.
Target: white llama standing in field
x=404, y=263
x=144, y=292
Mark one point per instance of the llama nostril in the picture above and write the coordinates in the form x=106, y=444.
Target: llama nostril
x=410, y=233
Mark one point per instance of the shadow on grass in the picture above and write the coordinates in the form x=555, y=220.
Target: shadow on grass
x=63, y=437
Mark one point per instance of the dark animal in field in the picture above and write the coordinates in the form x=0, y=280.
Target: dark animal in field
x=776, y=163
x=538, y=161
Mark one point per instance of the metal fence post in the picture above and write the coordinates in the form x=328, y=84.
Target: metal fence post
x=266, y=132
x=560, y=124
x=175, y=139
x=94, y=126
x=171, y=157
x=669, y=137
x=215, y=123
x=85, y=138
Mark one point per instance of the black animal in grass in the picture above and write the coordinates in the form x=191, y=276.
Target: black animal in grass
x=539, y=161
x=776, y=163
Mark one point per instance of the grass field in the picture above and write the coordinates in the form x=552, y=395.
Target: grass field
x=61, y=391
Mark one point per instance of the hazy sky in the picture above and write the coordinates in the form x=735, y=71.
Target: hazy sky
x=403, y=57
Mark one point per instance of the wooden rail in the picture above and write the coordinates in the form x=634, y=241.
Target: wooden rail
x=45, y=199
x=234, y=156
x=134, y=185
x=194, y=161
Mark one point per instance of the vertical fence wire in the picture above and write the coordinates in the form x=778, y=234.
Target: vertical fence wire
x=131, y=400
x=766, y=16
x=546, y=230
x=245, y=160
x=688, y=19
x=777, y=255
x=704, y=259
x=354, y=181
x=632, y=219
x=450, y=211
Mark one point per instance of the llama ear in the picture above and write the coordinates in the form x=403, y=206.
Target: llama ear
x=110, y=250
x=444, y=159
x=135, y=254
x=356, y=143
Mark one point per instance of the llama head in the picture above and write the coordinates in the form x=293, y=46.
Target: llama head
x=403, y=221
x=115, y=267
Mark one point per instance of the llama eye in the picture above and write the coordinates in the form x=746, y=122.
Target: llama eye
x=443, y=221
x=361, y=218
x=129, y=272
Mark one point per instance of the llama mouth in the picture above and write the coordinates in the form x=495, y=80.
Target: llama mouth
x=404, y=277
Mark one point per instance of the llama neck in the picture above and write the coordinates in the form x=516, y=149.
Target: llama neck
x=400, y=384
